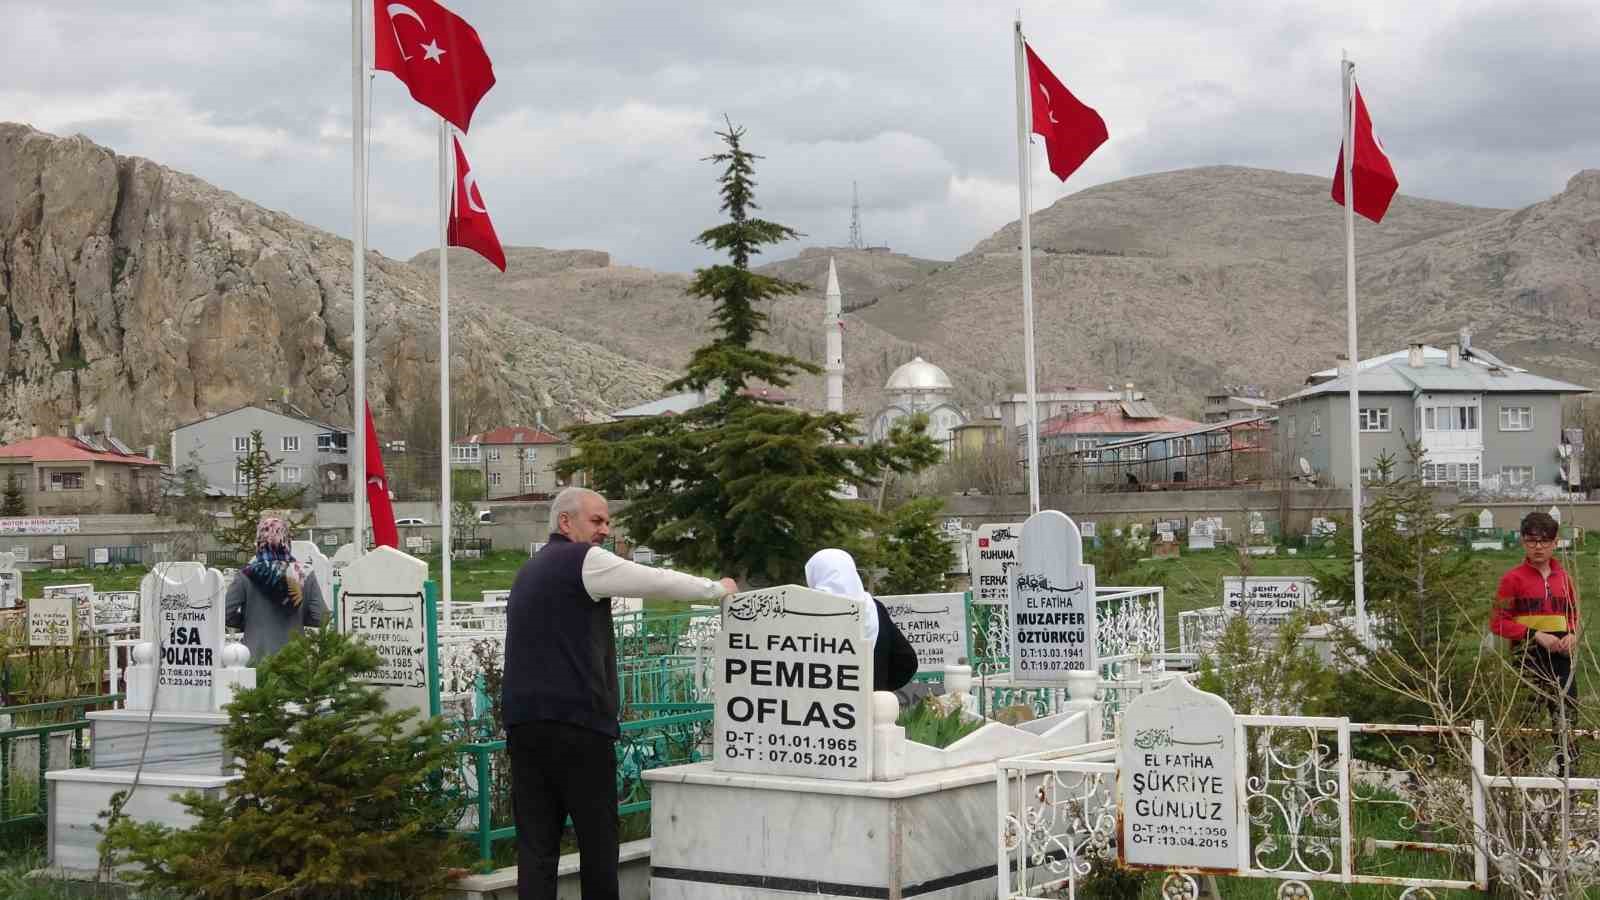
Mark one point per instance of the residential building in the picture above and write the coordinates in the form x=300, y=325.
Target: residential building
x=88, y=473
x=1084, y=434
x=680, y=403
x=1226, y=407
x=310, y=454
x=1216, y=455
x=1058, y=401
x=514, y=460
x=1482, y=424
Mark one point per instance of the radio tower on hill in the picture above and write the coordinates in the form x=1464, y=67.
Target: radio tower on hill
x=855, y=218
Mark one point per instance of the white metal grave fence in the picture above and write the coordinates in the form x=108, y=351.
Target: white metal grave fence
x=1131, y=637
x=1309, y=812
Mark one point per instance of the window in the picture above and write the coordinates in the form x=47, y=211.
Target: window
x=289, y=475
x=1292, y=427
x=1086, y=449
x=1463, y=475
x=1370, y=475
x=66, y=481
x=241, y=444
x=324, y=442
x=1374, y=418
x=529, y=479
x=494, y=454
x=290, y=443
x=1516, y=418
x=464, y=453
x=1316, y=423
x=1449, y=418
x=239, y=475
x=531, y=454
x=494, y=479
x=1515, y=476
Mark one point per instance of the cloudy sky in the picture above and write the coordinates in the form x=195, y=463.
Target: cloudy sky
x=603, y=109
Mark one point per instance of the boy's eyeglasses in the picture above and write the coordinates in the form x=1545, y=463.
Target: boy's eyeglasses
x=1538, y=542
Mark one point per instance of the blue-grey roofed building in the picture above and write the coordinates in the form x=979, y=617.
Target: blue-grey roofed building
x=1484, y=425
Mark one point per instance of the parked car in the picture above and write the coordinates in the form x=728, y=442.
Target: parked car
x=410, y=520
x=485, y=517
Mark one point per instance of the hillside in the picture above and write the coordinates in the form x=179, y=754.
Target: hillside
x=137, y=292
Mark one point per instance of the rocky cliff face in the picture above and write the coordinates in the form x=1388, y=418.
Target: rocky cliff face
x=133, y=291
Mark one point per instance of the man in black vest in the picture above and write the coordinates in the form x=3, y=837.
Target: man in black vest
x=560, y=692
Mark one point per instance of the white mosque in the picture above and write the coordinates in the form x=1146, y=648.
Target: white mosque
x=920, y=386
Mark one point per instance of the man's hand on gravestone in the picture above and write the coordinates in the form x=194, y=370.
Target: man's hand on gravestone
x=729, y=585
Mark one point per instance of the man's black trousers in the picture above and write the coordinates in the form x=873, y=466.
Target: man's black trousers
x=560, y=770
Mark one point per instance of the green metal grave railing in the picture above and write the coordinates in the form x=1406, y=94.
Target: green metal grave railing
x=671, y=739
x=37, y=808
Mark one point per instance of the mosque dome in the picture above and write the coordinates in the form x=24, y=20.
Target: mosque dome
x=919, y=375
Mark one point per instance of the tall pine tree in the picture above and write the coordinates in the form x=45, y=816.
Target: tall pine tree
x=741, y=486
x=260, y=494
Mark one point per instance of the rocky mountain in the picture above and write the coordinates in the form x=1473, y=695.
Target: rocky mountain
x=137, y=292
x=134, y=291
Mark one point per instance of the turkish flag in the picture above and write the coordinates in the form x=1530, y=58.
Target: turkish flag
x=1071, y=130
x=436, y=53
x=470, y=226
x=1370, y=169
x=384, y=531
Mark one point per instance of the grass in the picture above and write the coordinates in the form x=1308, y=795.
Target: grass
x=925, y=724
x=104, y=578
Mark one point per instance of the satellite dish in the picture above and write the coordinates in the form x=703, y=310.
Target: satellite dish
x=332, y=475
x=1305, y=467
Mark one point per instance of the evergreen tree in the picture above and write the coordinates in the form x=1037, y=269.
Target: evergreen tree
x=741, y=486
x=911, y=550
x=337, y=795
x=13, y=503
x=261, y=495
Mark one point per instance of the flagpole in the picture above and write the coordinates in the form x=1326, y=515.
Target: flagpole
x=1347, y=73
x=1027, y=271
x=446, y=191
x=358, y=279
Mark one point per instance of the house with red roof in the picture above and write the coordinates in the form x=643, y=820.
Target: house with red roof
x=1085, y=433
x=514, y=460
x=89, y=473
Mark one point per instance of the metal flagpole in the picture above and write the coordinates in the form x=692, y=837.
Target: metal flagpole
x=358, y=280
x=446, y=192
x=1347, y=78
x=1027, y=271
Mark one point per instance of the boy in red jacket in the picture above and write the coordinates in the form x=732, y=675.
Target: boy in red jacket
x=1536, y=610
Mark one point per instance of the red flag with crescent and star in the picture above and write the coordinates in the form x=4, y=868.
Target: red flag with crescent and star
x=436, y=53
x=1071, y=130
x=1370, y=169
x=384, y=532
x=470, y=226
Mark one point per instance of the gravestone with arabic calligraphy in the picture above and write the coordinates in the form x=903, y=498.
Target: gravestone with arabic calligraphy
x=995, y=555
x=1176, y=775
x=183, y=612
x=794, y=685
x=1052, y=601
x=934, y=624
x=115, y=610
x=82, y=599
x=382, y=602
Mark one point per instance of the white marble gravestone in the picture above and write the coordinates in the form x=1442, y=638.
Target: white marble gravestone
x=116, y=610
x=1258, y=524
x=934, y=624
x=50, y=622
x=82, y=595
x=381, y=601
x=58, y=552
x=10, y=582
x=342, y=557
x=994, y=555
x=1267, y=602
x=1486, y=519
x=1052, y=601
x=794, y=685
x=1555, y=513
x=182, y=623
x=1176, y=778
x=20, y=554
x=1201, y=536
x=308, y=553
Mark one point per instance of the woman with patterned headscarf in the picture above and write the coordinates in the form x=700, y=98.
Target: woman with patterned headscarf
x=274, y=596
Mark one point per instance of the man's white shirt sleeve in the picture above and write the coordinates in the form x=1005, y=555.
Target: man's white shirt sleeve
x=606, y=574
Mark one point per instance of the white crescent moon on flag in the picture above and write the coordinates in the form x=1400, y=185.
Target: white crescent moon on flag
x=400, y=9
x=1050, y=106
x=469, y=182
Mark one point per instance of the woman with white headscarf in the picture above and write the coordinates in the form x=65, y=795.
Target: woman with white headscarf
x=894, y=663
